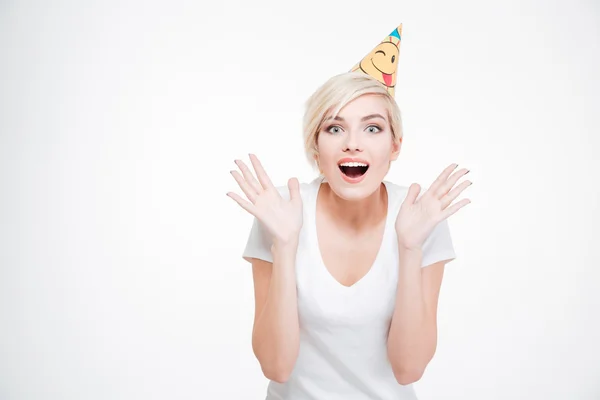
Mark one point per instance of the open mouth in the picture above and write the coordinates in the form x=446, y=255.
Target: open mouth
x=353, y=170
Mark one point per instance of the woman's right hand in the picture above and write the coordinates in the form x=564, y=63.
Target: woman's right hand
x=281, y=217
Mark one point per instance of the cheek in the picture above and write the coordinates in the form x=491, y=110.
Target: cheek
x=382, y=152
x=326, y=148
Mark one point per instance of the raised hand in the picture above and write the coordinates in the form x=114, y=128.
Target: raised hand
x=282, y=218
x=417, y=218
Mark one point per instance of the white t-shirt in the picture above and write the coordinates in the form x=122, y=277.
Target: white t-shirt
x=343, y=330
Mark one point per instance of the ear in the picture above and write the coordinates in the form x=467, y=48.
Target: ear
x=396, y=146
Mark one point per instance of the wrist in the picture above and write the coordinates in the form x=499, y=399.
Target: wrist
x=406, y=243
x=285, y=246
x=404, y=247
x=410, y=258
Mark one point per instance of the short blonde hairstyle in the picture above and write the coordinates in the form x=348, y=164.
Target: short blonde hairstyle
x=333, y=95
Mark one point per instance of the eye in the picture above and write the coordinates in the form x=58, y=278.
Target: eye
x=380, y=51
x=334, y=129
x=393, y=58
x=373, y=129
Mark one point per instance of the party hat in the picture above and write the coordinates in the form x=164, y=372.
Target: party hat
x=382, y=62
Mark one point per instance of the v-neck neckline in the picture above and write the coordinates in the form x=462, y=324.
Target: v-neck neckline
x=322, y=266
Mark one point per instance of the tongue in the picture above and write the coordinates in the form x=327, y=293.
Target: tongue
x=387, y=79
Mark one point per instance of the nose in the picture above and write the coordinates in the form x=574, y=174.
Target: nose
x=352, y=142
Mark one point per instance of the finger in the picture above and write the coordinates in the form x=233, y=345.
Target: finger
x=294, y=187
x=442, y=177
x=260, y=172
x=449, y=198
x=245, y=204
x=249, y=177
x=446, y=186
x=413, y=193
x=246, y=188
x=454, y=208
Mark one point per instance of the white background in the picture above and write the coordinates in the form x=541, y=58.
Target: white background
x=121, y=274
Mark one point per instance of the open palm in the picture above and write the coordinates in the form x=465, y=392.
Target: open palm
x=418, y=217
x=281, y=217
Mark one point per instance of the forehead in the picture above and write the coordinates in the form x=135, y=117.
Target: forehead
x=365, y=105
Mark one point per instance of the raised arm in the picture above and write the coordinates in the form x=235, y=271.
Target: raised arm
x=275, y=334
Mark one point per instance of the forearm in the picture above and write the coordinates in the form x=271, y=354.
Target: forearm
x=275, y=339
x=412, y=336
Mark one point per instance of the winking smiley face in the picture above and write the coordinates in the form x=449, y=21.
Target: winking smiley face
x=381, y=63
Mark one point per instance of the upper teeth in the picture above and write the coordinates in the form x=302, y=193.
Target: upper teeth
x=353, y=164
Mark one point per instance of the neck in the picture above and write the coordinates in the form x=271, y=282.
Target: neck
x=355, y=215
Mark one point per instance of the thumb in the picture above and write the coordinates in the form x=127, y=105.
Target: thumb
x=294, y=187
x=413, y=192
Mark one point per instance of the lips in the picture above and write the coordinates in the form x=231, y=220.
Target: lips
x=352, y=159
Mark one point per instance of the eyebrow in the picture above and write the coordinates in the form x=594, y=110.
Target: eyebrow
x=365, y=118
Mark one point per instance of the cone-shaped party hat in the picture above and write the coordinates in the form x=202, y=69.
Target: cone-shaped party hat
x=382, y=62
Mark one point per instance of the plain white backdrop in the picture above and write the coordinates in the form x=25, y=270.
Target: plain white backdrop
x=121, y=274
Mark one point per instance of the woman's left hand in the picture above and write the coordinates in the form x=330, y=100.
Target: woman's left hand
x=417, y=218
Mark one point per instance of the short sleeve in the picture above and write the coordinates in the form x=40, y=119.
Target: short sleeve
x=258, y=244
x=438, y=246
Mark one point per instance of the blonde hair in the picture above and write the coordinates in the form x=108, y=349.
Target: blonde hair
x=333, y=95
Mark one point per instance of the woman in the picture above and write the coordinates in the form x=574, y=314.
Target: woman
x=343, y=306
